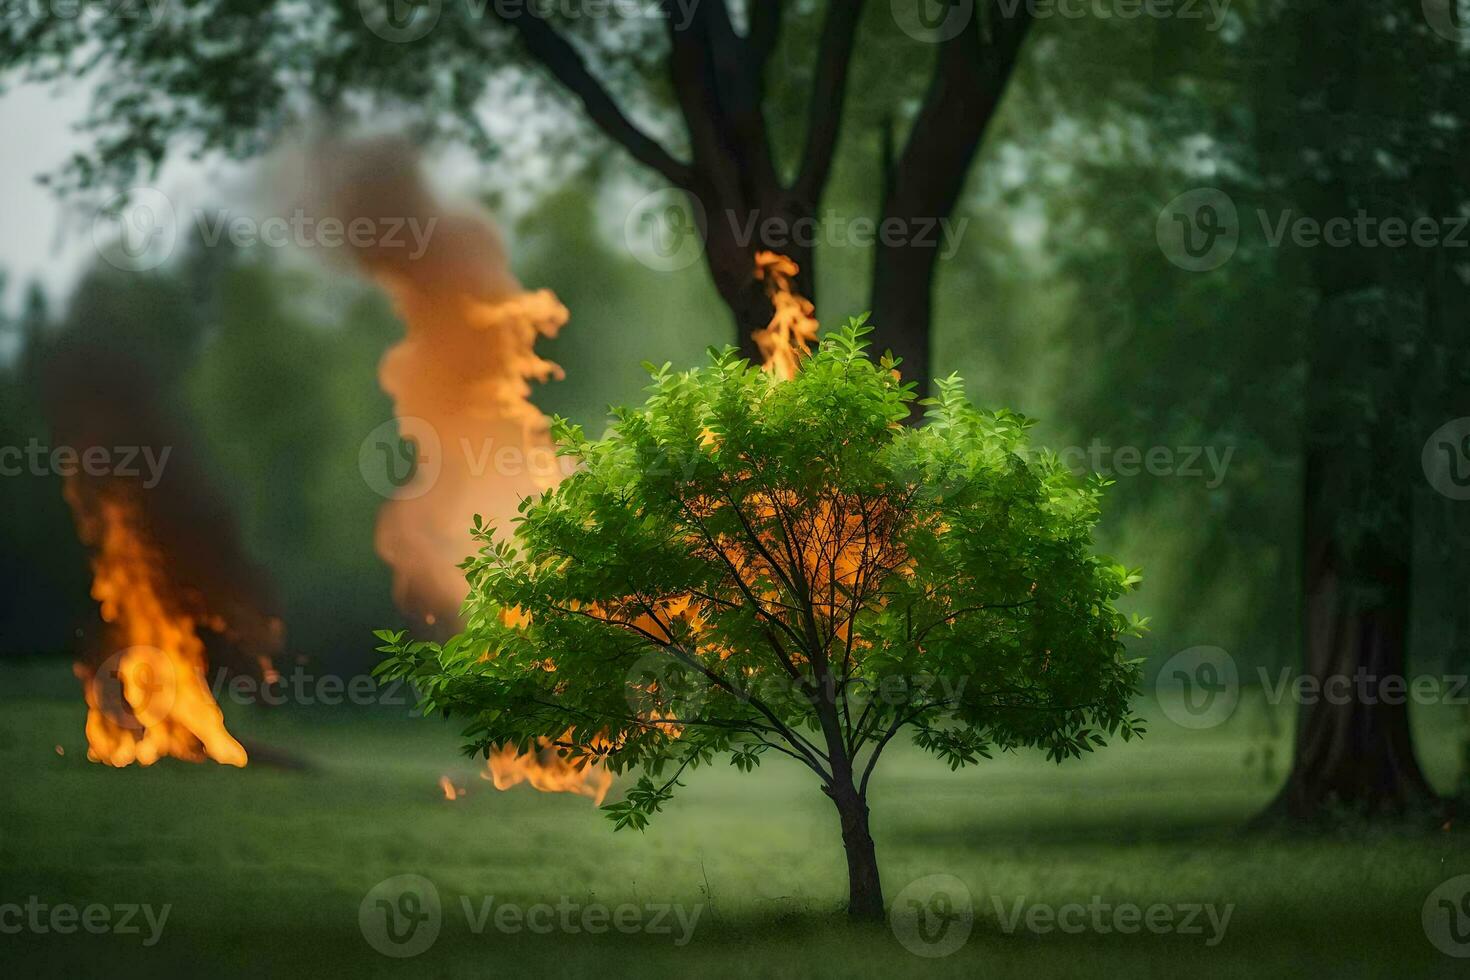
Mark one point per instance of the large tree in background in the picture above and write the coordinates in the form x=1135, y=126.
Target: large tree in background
x=1373, y=126
x=703, y=95
x=1324, y=365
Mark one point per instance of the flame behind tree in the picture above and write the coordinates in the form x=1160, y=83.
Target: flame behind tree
x=784, y=342
x=168, y=574
x=460, y=383
x=793, y=328
x=460, y=378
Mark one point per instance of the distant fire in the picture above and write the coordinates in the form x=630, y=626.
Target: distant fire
x=150, y=699
x=174, y=585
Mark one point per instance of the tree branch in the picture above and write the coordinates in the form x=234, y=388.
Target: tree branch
x=557, y=55
x=824, y=124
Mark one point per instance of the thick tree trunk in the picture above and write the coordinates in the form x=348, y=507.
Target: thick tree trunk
x=735, y=231
x=1354, y=748
x=864, y=889
x=923, y=185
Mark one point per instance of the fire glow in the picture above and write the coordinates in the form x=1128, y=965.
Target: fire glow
x=460, y=380
x=784, y=343
x=150, y=700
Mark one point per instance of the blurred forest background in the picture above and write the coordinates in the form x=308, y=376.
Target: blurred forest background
x=1058, y=303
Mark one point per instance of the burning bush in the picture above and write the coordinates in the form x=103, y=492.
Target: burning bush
x=746, y=565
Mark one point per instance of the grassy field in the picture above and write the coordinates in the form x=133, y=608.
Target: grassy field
x=265, y=868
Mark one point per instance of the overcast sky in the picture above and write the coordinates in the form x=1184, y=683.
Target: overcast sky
x=35, y=242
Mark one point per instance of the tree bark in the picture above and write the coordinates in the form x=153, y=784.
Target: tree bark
x=734, y=233
x=1353, y=751
x=924, y=184
x=864, y=888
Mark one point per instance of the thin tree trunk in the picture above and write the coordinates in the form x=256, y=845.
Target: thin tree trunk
x=864, y=888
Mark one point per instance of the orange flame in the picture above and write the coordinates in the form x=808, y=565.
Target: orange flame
x=784, y=343
x=151, y=700
x=460, y=380
x=787, y=338
x=547, y=771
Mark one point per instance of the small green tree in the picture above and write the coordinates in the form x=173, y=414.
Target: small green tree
x=746, y=565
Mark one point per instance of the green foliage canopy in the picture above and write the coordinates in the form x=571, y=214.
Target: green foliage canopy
x=745, y=565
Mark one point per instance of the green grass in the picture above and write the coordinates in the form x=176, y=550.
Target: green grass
x=266, y=868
